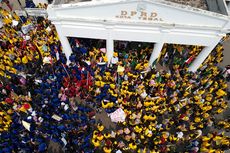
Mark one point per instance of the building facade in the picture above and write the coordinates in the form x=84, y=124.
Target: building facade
x=155, y=21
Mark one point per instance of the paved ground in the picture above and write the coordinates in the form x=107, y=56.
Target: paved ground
x=225, y=62
x=226, y=53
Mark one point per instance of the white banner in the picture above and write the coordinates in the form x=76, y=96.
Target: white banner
x=118, y=116
x=27, y=28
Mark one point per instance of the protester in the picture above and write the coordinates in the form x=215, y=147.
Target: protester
x=45, y=100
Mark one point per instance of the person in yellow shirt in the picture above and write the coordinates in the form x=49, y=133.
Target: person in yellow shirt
x=107, y=135
x=221, y=93
x=100, y=127
x=25, y=60
x=96, y=142
x=107, y=149
x=7, y=21
x=132, y=146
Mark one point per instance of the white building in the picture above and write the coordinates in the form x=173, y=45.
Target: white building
x=157, y=21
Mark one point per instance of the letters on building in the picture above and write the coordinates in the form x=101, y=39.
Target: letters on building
x=146, y=16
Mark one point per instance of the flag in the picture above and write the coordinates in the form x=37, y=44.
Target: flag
x=77, y=43
x=159, y=79
x=26, y=125
x=190, y=59
x=154, y=62
x=64, y=141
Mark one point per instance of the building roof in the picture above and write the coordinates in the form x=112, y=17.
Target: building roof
x=56, y=2
x=217, y=6
x=193, y=3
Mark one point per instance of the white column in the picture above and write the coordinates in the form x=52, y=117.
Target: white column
x=201, y=57
x=156, y=52
x=64, y=41
x=109, y=49
x=66, y=47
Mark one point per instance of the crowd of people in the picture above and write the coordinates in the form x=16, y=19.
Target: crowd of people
x=167, y=111
x=44, y=100
x=178, y=56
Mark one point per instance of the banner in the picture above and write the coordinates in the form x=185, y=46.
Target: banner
x=26, y=28
x=118, y=116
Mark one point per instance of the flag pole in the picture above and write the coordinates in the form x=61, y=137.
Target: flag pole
x=87, y=83
x=65, y=70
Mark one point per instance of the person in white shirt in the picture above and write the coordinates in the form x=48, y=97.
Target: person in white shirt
x=114, y=59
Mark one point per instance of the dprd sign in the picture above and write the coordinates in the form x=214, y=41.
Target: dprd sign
x=142, y=15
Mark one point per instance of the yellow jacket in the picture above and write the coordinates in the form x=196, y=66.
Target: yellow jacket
x=132, y=146
x=107, y=150
x=95, y=142
x=137, y=129
x=100, y=127
x=24, y=60
x=220, y=92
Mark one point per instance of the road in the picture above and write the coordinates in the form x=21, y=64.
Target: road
x=226, y=60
